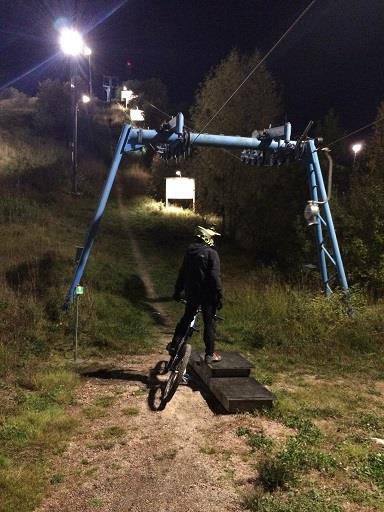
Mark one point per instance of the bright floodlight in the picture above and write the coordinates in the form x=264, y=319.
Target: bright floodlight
x=85, y=98
x=71, y=42
x=357, y=147
x=87, y=51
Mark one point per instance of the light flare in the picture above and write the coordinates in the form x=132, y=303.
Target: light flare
x=71, y=42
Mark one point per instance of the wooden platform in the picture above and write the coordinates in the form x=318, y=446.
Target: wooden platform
x=229, y=380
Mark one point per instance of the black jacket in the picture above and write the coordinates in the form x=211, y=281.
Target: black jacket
x=199, y=275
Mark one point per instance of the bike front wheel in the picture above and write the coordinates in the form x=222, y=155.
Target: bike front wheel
x=177, y=373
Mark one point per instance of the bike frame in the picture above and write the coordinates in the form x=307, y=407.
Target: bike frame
x=191, y=328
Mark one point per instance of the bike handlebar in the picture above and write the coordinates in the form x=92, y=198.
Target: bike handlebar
x=217, y=317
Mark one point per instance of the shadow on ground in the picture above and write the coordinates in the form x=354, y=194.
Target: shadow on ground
x=156, y=385
x=135, y=292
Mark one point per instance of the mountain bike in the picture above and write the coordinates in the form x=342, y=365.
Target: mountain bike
x=178, y=363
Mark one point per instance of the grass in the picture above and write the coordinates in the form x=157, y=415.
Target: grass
x=256, y=440
x=291, y=502
x=131, y=411
x=104, y=401
x=322, y=364
x=96, y=502
x=113, y=432
x=41, y=224
x=36, y=427
x=22, y=486
x=92, y=412
x=373, y=468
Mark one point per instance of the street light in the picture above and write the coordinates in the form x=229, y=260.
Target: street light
x=87, y=53
x=84, y=99
x=356, y=148
x=72, y=44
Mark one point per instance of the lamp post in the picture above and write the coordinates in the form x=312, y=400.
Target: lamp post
x=88, y=53
x=356, y=148
x=72, y=45
x=84, y=99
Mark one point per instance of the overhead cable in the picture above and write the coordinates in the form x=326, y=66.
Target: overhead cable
x=356, y=131
x=256, y=68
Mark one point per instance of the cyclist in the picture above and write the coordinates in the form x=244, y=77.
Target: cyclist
x=199, y=279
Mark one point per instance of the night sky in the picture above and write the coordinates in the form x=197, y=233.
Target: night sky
x=332, y=58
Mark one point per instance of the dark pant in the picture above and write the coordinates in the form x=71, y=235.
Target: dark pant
x=208, y=309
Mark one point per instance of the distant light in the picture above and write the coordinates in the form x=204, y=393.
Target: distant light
x=356, y=148
x=85, y=98
x=127, y=95
x=136, y=115
x=87, y=51
x=178, y=173
x=71, y=42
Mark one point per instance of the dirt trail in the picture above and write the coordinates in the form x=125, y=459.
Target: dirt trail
x=134, y=459
x=127, y=456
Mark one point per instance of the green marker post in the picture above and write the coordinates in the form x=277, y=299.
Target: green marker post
x=78, y=291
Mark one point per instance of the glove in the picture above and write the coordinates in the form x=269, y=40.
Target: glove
x=176, y=296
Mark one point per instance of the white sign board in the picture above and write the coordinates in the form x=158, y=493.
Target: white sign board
x=179, y=188
x=136, y=115
x=127, y=96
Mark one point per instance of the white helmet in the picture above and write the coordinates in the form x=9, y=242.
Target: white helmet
x=206, y=234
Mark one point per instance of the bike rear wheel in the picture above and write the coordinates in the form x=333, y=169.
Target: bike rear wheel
x=177, y=373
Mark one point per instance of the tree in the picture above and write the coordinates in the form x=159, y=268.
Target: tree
x=376, y=145
x=53, y=109
x=221, y=178
x=150, y=92
x=363, y=223
x=330, y=130
x=261, y=208
x=11, y=93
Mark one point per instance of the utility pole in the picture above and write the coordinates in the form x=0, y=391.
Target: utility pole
x=109, y=83
x=74, y=106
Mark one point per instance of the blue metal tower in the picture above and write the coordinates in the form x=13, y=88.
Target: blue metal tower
x=272, y=146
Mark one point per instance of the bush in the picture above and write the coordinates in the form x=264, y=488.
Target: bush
x=292, y=502
x=53, y=107
x=373, y=469
x=11, y=93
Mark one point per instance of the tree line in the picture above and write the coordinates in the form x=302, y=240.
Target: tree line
x=261, y=208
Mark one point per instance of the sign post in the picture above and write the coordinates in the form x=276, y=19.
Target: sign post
x=180, y=188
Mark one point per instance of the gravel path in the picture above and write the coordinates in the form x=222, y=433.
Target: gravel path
x=128, y=456
x=132, y=458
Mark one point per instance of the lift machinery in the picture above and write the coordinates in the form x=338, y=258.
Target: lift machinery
x=272, y=146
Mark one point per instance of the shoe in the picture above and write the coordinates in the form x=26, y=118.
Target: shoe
x=214, y=358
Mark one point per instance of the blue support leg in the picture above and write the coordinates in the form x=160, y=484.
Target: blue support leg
x=327, y=216
x=98, y=215
x=318, y=231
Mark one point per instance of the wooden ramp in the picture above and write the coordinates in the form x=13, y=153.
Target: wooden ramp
x=229, y=380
